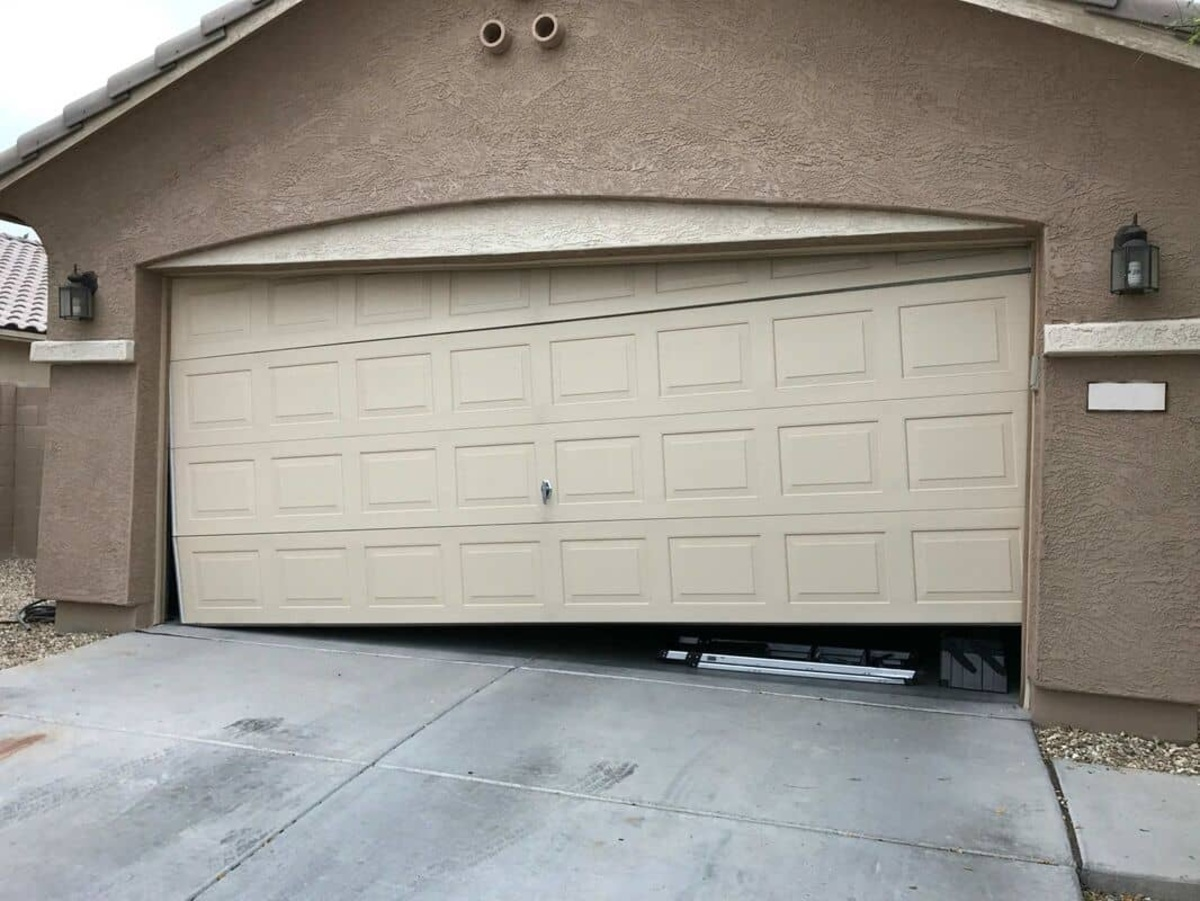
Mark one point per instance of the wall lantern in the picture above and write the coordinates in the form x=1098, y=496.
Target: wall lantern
x=77, y=298
x=1134, y=261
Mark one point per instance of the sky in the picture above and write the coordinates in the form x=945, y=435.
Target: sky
x=54, y=51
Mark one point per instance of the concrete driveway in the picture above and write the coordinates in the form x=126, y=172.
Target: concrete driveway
x=452, y=764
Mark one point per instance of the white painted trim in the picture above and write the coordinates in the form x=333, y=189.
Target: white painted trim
x=1069, y=16
x=73, y=352
x=563, y=225
x=1145, y=336
x=8, y=334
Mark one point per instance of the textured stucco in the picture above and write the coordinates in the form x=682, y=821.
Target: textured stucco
x=1119, y=605
x=352, y=108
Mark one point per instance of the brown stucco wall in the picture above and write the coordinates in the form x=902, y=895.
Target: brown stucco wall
x=348, y=108
x=1119, y=605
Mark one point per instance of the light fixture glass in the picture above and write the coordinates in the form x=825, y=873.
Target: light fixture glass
x=1134, y=267
x=76, y=299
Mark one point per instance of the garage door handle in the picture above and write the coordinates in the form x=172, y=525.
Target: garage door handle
x=547, y=490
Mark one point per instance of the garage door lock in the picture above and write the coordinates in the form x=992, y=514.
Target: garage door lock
x=547, y=490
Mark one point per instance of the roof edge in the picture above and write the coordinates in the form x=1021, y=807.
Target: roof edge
x=1069, y=15
x=172, y=60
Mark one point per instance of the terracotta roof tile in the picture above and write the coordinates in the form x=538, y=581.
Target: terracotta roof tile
x=22, y=285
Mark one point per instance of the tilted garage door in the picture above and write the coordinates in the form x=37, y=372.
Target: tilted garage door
x=837, y=439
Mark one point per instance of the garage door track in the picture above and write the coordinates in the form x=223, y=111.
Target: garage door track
x=189, y=763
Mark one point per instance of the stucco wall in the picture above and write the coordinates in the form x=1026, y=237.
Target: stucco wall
x=347, y=108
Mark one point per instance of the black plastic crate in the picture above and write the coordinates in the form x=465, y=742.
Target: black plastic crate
x=974, y=664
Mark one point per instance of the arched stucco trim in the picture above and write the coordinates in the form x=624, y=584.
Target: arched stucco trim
x=564, y=227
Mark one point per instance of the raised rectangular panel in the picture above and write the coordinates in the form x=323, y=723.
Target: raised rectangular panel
x=302, y=304
x=594, y=369
x=826, y=569
x=704, y=360
x=393, y=297
x=405, y=576
x=215, y=310
x=501, y=575
x=306, y=392
x=489, y=291
x=491, y=378
x=502, y=475
x=395, y=386
x=314, y=577
x=713, y=570
x=708, y=464
x=223, y=579
x=961, y=452
x=820, y=350
x=222, y=489
x=578, y=284
x=799, y=267
x=399, y=480
x=954, y=338
x=968, y=565
x=219, y=400
x=306, y=486
x=690, y=276
x=605, y=571
x=829, y=459
x=599, y=470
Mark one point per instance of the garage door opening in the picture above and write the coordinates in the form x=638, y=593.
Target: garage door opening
x=784, y=440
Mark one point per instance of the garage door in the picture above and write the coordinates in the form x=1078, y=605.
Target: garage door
x=831, y=440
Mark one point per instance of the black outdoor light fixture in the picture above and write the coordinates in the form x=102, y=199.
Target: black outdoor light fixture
x=77, y=298
x=1134, y=261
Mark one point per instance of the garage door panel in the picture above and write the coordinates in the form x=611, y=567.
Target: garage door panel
x=933, y=567
x=386, y=298
x=948, y=453
x=797, y=352
x=723, y=443
x=221, y=316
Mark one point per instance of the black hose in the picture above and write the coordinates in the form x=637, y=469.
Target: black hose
x=36, y=613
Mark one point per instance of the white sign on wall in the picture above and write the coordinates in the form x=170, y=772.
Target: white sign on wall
x=1134, y=397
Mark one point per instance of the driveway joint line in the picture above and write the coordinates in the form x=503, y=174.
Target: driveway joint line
x=1064, y=808
x=775, y=694
x=363, y=768
x=721, y=815
x=453, y=707
x=214, y=880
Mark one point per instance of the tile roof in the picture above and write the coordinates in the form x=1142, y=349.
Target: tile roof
x=22, y=285
x=1157, y=19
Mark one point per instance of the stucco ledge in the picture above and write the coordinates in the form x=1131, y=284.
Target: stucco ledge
x=81, y=352
x=1129, y=338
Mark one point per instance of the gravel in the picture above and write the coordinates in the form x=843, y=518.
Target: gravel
x=18, y=644
x=1119, y=750
x=1103, y=896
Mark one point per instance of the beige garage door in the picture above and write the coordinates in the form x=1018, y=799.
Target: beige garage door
x=828, y=440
